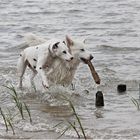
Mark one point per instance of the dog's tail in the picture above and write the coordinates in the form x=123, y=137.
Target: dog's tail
x=33, y=40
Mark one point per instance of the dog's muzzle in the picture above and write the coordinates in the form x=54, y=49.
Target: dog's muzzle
x=85, y=60
x=70, y=59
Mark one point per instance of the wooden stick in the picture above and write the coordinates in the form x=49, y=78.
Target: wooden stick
x=93, y=72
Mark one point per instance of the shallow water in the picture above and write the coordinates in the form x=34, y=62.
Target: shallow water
x=111, y=29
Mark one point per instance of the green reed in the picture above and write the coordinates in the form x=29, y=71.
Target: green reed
x=72, y=125
x=64, y=131
x=77, y=118
x=7, y=122
x=20, y=105
x=28, y=111
x=11, y=125
x=136, y=103
x=4, y=118
x=16, y=99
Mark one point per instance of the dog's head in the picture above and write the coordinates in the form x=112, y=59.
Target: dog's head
x=78, y=50
x=60, y=49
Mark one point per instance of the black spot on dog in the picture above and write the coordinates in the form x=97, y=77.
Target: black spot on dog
x=20, y=54
x=36, y=47
x=40, y=68
x=34, y=59
x=64, y=42
x=34, y=67
x=29, y=65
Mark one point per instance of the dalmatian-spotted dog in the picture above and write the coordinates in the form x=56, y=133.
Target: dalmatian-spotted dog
x=63, y=73
x=41, y=57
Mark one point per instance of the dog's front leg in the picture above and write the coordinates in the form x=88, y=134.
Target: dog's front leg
x=41, y=70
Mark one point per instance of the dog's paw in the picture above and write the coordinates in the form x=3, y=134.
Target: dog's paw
x=45, y=85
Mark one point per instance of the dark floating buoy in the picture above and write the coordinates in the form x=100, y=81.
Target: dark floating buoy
x=99, y=99
x=121, y=88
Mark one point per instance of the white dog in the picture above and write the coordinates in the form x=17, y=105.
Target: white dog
x=63, y=73
x=41, y=57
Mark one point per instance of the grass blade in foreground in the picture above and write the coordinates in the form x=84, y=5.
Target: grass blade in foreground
x=10, y=124
x=28, y=111
x=4, y=118
x=75, y=114
x=78, y=119
x=136, y=103
x=73, y=126
x=64, y=131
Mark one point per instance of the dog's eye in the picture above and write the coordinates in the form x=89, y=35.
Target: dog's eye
x=64, y=52
x=82, y=50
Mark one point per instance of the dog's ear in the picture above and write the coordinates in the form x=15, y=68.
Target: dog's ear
x=69, y=41
x=55, y=46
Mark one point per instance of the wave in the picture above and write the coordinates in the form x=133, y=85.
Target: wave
x=113, y=48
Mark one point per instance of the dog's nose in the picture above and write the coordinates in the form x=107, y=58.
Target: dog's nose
x=91, y=57
x=71, y=58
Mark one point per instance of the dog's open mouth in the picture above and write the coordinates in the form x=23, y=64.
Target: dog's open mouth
x=84, y=60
